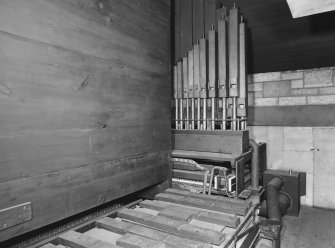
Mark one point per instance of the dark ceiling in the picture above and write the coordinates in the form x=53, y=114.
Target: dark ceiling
x=277, y=42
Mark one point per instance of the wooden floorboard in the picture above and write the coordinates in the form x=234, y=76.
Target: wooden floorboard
x=141, y=227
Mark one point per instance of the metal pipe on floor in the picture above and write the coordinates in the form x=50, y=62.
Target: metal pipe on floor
x=254, y=164
x=284, y=204
x=272, y=195
x=274, y=202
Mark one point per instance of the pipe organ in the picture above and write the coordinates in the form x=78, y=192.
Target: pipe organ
x=210, y=95
x=210, y=86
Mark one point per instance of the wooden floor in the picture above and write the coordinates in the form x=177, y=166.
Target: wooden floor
x=313, y=228
x=174, y=219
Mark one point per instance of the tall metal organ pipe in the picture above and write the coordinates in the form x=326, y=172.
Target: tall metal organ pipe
x=210, y=82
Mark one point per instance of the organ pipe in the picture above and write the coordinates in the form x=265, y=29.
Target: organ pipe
x=210, y=82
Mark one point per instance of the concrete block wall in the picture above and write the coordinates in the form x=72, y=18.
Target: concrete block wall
x=299, y=148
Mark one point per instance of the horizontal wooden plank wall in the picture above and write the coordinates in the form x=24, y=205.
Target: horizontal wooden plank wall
x=85, y=113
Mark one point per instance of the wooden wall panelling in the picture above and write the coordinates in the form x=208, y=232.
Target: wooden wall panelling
x=82, y=83
x=66, y=105
x=186, y=39
x=177, y=30
x=65, y=26
x=198, y=20
x=64, y=193
x=277, y=42
x=210, y=15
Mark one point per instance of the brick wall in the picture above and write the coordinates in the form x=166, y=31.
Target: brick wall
x=310, y=149
x=303, y=87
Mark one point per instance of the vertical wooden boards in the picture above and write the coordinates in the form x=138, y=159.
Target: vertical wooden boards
x=177, y=30
x=198, y=20
x=82, y=86
x=210, y=15
x=186, y=41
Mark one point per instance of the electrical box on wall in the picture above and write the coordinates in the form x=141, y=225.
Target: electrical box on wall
x=294, y=186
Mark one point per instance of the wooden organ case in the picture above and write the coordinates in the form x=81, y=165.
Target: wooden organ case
x=210, y=108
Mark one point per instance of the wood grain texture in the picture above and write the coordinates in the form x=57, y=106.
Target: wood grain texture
x=198, y=20
x=210, y=14
x=277, y=42
x=60, y=194
x=85, y=113
x=186, y=37
x=177, y=30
